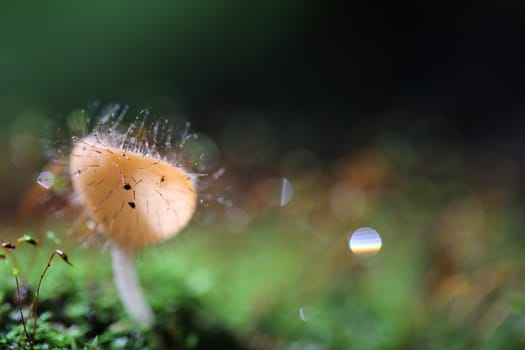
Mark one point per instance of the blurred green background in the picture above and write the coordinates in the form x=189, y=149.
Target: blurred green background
x=404, y=118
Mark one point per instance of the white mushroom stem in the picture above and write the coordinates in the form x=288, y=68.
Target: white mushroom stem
x=128, y=286
x=157, y=196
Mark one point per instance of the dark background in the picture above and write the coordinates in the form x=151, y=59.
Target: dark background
x=321, y=75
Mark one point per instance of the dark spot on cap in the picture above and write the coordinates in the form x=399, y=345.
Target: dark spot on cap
x=127, y=187
x=132, y=205
x=162, y=179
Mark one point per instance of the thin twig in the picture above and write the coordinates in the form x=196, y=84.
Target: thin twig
x=19, y=302
x=35, y=302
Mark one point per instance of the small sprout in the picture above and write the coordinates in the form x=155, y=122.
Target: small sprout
x=27, y=239
x=63, y=255
x=20, y=292
x=37, y=294
x=8, y=246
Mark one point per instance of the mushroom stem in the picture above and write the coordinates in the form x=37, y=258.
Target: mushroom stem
x=128, y=286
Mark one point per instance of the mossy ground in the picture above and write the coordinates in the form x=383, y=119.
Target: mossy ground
x=270, y=287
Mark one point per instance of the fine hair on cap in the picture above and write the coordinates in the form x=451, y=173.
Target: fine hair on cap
x=139, y=200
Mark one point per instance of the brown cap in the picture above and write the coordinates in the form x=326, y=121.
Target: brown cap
x=139, y=200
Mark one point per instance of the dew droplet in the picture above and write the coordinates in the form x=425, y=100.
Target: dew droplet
x=304, y=313
x=226, y=202
x=219, y=173
x=46, y=179
x=365, y=241
x=286, y=192
x=91, y=225
x=51, y=236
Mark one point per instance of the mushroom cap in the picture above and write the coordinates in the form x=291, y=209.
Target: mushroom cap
x=139, y=200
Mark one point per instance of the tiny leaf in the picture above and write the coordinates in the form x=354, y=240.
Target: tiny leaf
x=15, y=271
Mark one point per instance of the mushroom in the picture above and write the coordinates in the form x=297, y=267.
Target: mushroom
x=138, y=200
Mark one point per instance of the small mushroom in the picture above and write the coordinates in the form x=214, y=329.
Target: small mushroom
x=138, y=200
